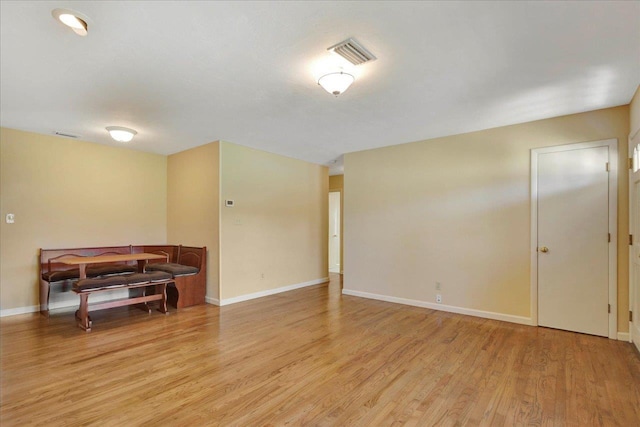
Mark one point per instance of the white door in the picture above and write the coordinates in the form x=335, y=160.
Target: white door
x=573, y=241
x=334, y=232
x=634, y=230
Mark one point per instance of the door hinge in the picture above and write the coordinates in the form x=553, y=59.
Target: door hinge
x=630, y=239
x=630, y=316
x=608, y=308
x=609, y=237
x=607, y=166
x=630, y=162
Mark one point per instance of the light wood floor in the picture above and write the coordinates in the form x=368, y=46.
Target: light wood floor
x=312, y=357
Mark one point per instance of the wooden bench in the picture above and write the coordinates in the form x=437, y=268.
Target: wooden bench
x=186, y=290
x=85, y=287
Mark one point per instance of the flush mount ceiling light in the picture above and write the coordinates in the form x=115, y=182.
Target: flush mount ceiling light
x=336, y=83
x=76, y=21
x=121, y=134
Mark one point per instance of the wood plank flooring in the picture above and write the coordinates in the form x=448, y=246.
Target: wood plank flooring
x=310, y=357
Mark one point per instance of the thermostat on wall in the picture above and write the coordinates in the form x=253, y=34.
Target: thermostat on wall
x=228, y=203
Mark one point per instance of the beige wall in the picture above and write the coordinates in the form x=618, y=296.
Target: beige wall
x=193, y=188
x=67, y=193
x=276, y=235
x=457, y=210
x=336, y=183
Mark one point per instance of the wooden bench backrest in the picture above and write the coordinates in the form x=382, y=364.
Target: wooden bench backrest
x=192, y=256
x=49, y=258
x=185, y=255
x=170, y=251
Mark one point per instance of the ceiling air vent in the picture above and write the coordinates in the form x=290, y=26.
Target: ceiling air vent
x=68, y=135
x=352, y=52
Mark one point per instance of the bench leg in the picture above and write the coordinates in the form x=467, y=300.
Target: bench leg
x=82, y=315
x=162, y=289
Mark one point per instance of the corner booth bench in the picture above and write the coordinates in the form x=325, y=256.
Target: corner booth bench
x=177, y=273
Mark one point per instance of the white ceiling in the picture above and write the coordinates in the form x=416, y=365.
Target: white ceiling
x=187, y=73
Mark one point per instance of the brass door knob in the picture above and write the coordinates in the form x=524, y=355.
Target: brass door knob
x=544, y=249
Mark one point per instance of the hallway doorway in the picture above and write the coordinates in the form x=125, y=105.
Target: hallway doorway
x=334, y=232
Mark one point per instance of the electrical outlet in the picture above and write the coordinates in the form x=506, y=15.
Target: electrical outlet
x=438, y=286
x=439, y=299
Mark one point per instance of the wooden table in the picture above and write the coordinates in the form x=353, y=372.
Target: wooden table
x=82, y=261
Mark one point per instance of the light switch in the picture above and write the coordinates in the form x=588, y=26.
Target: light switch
x=11, y=218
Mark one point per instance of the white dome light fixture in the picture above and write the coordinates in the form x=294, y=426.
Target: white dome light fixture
x=71, y=19
x=336, y=83
x=121, y=134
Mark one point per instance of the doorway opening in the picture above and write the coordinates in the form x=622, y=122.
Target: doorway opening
x=334, y=232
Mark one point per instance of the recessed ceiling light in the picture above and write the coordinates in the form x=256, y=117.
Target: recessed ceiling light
x=76, y=21
x=121, y=134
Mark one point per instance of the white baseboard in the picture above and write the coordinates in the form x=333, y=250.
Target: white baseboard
x=448, y=308
x=635, y=334
x=261, y=294
x=65, y=301
x=19, y=310
x=52, y=306
x=214, y=301
x=624, y=336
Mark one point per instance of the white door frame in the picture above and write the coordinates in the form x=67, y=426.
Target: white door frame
x=633, y=290
x=613, y=225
